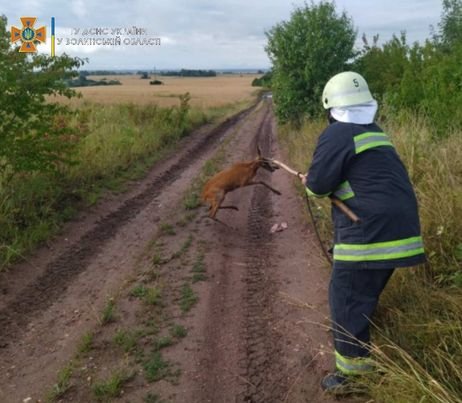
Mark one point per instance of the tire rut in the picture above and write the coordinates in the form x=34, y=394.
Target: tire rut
x=263, y=370
x=60, y=272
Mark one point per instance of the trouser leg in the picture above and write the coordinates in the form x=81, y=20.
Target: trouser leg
x=353, y=297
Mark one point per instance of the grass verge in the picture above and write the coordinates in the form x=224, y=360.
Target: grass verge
x=114, y=144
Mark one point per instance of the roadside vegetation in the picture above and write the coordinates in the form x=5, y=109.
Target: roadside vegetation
x=263, y=81
x=418, y=329
x=56, y=159
x=419, y=322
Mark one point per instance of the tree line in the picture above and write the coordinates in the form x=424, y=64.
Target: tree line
x=317, y=42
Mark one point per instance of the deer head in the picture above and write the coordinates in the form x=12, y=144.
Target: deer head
x=265, y=163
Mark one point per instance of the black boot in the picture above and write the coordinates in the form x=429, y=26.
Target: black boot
x=335, y=383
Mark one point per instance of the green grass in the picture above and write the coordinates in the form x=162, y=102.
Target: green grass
x=108, y=314
x=110, y=388
x=192, y=200
x=167, y=229
x=178, y=331
x=139, y=291
x=153, y=296
x=127, y=340
x=62, y=385
x=156, y=367
x=418, y=346
x=151, y=327
x=199, y=269
x=198, y=277
x=162, y=342
x=157, y=259
x=152, y=398
x=86, y=343
x=150, y=295
x=184, y=248
x=188, y=298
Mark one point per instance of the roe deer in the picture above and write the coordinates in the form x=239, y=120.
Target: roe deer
x=239, y=175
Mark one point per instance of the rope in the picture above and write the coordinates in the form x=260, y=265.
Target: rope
x=323, y=248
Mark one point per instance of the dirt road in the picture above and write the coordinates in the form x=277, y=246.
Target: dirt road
x=143, y=299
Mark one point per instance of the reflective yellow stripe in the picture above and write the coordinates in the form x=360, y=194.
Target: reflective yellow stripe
x=385, y=244
x=344, y=191
x=353, y=366
x=369, y=140
x=380, y=250
x=312, y=194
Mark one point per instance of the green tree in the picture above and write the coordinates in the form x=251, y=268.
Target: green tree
x=450, y=26
x=384, y=67
x=424, y=78
x=306, y=51
x=34, y=131
x=263, y=81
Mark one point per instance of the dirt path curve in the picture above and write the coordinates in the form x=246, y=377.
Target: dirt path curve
x=256, y=332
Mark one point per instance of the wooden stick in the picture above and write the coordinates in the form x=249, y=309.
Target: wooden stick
x=284, y=166
x=342, y=206
x=345, y=209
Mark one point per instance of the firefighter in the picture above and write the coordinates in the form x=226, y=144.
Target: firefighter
x=355, y=161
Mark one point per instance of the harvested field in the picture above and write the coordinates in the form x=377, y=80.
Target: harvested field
x=206, y=92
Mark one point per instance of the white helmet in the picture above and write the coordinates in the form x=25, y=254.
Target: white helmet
x=346, y=89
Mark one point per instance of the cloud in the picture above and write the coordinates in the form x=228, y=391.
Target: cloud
x=386, y=19
x=210, y=33
x=78, y=8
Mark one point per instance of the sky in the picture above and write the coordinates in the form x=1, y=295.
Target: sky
x=199, y=34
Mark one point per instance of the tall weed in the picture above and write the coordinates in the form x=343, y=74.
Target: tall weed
x=113, y=143
x=418, y=339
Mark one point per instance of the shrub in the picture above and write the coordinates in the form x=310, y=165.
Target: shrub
x=306, y=51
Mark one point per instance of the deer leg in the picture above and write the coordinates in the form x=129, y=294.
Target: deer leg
x=264, y=184
x=213, y=210
x=219, y=197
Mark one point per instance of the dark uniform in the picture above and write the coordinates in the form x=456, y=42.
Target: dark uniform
x=359, y=165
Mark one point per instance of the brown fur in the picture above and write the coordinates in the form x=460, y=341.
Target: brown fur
x=239, y=175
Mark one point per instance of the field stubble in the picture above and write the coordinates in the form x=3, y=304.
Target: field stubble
x=206, y=92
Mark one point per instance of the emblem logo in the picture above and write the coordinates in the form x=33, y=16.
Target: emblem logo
x=28, y=35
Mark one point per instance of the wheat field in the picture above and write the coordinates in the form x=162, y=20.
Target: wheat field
x=205, y=92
